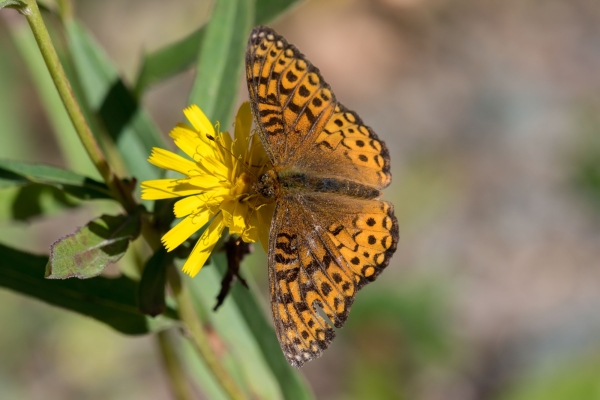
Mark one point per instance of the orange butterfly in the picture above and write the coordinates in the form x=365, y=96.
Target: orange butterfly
x=330, y=234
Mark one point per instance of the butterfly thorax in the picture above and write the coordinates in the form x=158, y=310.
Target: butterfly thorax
x=271, y=183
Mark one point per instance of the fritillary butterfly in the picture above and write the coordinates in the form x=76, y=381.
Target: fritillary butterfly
x=330, y=234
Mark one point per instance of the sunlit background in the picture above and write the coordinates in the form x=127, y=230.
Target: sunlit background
x=491, y=112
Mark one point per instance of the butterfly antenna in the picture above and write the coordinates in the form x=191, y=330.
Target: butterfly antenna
x=211, y=137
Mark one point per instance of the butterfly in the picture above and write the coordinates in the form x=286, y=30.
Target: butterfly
x=330, y=234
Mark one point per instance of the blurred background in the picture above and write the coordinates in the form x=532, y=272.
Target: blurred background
x=491, y=112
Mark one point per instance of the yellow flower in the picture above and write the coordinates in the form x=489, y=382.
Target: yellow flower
x=218, y=185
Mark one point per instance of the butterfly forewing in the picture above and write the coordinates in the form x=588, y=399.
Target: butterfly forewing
x=290, y=100
x=352, y=149
x=304, y=127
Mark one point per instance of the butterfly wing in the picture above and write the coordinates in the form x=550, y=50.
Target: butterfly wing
x=289, y=99
x=301, y=124
x=322, y=250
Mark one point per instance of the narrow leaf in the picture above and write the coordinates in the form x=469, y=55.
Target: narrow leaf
x=181, y=55
x=291, y=383
x=242, y=355
x=267, y=10
x=86, y=252
x=169, y=61
x=111, y=301
x=33, y=200
x=130, y=127
x=18, y=173
x=151, y=294
x=18, y=5
x=199, y=372
x=71, y=148
x=221, y=59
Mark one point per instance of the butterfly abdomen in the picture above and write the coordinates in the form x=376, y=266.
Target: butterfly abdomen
x=308, y=183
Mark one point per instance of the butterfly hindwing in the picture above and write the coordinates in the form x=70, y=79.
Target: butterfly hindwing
x=302, y=333
x=319, y=257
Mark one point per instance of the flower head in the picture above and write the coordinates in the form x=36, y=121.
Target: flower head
x=217, y=187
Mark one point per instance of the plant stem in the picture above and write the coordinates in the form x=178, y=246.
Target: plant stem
x=123, y=195
x=179, y=385
x=189, y=316
x=187, y=313
x=42, y=37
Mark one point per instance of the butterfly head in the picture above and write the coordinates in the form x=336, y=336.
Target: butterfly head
x=267, y=185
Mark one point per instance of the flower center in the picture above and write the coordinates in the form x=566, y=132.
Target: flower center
x=243, y=185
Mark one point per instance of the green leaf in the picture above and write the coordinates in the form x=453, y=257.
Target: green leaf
x=20, y=6
x=267, y=10
x=86, y=252
x=17, y=173
x=111, y=301
x=71, y=148
x=243, y=357
x=199, y=372
x=176, y=57
x=151, y=294
x=220, y=62
x=33, y=200
x=559, y=378
x=248, y=333
x=169, y=61
x=291, y=383
x=130, y=127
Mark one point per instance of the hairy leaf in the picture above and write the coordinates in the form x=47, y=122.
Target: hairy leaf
x=18, y=5
x=86, y=252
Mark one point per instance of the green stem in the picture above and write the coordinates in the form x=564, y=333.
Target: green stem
x=123, y=195
x=42, y=37
x=188, y=314
x=181, y=389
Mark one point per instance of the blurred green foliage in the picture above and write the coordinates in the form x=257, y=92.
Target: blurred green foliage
x=586, y=157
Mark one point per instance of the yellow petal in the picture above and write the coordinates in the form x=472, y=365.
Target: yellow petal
x=206, y=182
x=187, y=206
x=264, y=216
x=199, y=202
x=204, y=246
x=257, y=155
x=234, y=214
x=168, y=160
x=243, y=124
x=214, y=196
x=198, y=120
x=227, y=157
x=184, y=229
x=167, y=188
x=191, y=142
x=212, y=166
